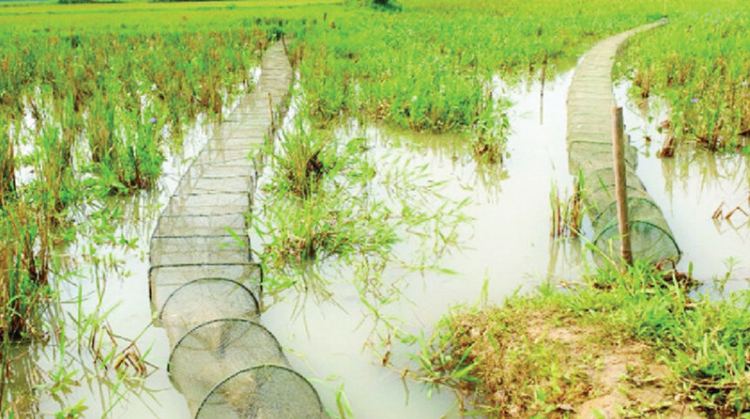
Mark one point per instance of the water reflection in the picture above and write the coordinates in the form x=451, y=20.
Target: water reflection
x=690, y=188
x=455, y=152
x=102, y=296
x=343, y=341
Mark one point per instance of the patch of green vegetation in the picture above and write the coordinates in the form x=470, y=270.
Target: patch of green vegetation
x=327, y=203
x=111, y=87
x=700, y=64
x=143, y=17
x=316, y=204
x=83, y=116
x=431, y=66
x=534, y=354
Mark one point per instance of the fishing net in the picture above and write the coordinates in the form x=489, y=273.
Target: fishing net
x=206, y=288
x=589, y=156
x=650, y=236
x=602, y=181
x=165, y=280
x=217, y=349
x=263, y=392
x=206, y=299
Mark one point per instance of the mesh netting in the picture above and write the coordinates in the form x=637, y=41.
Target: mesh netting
x=587, y=156
x=602, y=181
x=199, y=276
x=213, y=351
x=206, y=299
x=650, y=236
x=605, y=198
x=167, y=279
x=263, y=392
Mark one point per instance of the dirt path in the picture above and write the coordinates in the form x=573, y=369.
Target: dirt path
x=590, y=103
x=626, y=382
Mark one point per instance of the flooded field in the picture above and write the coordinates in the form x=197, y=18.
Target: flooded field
x=505, y=247
x=690, y=188
x=339, y=343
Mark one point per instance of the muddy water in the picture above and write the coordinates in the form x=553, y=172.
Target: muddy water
x=507, y=246
x=338, y=343
x=110, y=287
x=118, y=284
x=689, y=188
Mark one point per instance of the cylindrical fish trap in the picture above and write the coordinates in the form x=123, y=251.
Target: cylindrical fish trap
x=271, y=396
x=202, y=300
x=217, y=349
x=223, y=361
x=650, y=236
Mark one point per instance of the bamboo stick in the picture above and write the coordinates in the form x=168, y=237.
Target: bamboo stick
x=618, y=153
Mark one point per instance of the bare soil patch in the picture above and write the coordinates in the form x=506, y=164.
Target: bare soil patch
x=535, y=363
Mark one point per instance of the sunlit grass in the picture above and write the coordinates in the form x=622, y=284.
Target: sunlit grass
x=146, y=16
x=111, y=87
x=503, y=357
x=84, y=116
x=699, y=64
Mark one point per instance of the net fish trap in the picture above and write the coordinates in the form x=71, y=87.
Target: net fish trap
x=204, y=286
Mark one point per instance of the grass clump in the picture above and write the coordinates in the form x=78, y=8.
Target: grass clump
x=548, y=353
x=507, y=367
x=328, y=204
x=490, y=132
x=316, y=204
x=699, y=64
x=567, y=212
x=303, y=159
x=7, y=166
x=320, y=227
x=25, y=255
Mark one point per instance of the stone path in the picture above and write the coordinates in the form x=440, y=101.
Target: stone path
x=590, y=103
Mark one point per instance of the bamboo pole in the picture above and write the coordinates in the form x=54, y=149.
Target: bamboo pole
x=283, y=43
x=270, y=112
x=618, y=153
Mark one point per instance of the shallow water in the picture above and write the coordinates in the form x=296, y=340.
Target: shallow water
x=338, y=344
x=111, y=287
x=505, y=247
x=689, y=188
x=119, y=282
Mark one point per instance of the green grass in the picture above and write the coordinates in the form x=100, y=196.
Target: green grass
x=700, y=65
x=327, y=205
x=85, y=115
x=112, y=87
x=316, y=205
x=95, y=115
x=705, y=343
x=145, y=17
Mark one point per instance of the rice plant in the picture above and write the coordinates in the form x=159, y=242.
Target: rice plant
x=7, y=166
x=25, y=255
x=701, y=70
x=303, y=157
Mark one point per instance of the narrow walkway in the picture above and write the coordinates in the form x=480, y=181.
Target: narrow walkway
x=590, y=103
x=204, y=284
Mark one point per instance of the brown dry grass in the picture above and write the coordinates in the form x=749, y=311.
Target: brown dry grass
x=536, y=363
